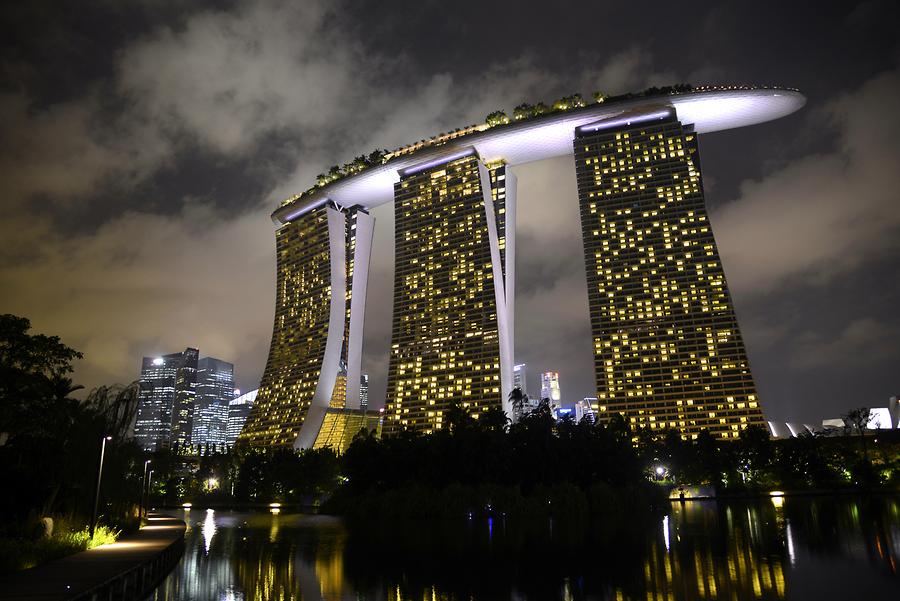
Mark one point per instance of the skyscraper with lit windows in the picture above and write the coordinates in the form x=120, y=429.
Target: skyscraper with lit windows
x=238, y=411
x=215, y=388
x=323, y=258
x=550, y=386
x=668, y=352
x=166, y=400
x=451, y=337
x=364, y=392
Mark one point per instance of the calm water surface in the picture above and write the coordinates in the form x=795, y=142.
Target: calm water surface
x=791, y=548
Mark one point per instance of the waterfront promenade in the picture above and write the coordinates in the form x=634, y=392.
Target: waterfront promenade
x=125, y=570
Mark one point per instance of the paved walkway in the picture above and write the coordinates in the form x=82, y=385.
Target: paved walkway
x=122, y=570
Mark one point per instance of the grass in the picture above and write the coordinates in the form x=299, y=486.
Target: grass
x=23, y=553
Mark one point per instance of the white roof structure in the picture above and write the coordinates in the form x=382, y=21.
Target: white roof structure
x=551, y=135
x=244, y=399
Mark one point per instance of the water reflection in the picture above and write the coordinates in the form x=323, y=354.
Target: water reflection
x=792, y=548
x=209, y=529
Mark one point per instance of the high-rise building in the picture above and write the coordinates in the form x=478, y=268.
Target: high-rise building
x=166, y=400
x=520, y=378
x=364, y=392
x=215, y=389
x=584, y=409
x=451, y=339
x=238, y=412
x=323, y=258
x=668, y=352
x=550, y=387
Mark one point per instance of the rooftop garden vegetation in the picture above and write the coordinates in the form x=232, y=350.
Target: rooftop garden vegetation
x=522, y=112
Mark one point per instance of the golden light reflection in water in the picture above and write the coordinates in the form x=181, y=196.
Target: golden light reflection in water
x=699, y=550
x=330, y=572
x=693, y=566
x=273, y=531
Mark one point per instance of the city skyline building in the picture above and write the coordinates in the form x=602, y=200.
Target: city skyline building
x=322, y=273
x=364, y=392
x=238, y=412
x=668, y=352
x=520, y=377
x=584, y=409
x=550, y=387
x=214, y=392
x=451, y=340
x=166, y=398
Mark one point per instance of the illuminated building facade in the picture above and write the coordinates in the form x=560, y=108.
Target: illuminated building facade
x=520, y=377
x=316, y=348
x=364, y=392
x=238, y=412
x=166, y=400
x=215, y=388
x=451, y=337
x=550, y=386
x=584, y=409
x=452, y=329
x=341, y=425
x=668, y=352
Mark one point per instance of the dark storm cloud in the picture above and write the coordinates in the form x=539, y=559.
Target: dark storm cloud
x=127, y=157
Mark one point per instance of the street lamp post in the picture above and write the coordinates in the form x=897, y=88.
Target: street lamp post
x=97, y=489
x=143, y=487
x=149, y=487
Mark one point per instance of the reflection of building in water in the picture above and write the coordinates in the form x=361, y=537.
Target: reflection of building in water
x=330, y=572
x=685, y=563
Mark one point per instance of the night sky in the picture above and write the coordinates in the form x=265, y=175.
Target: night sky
x=145, y=144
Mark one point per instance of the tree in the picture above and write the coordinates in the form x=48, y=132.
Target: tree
x=540, y=109
x=517, y=398
x=496, y=118
x=458, y=417
x=523, y=111
x=599, y=96
x=32, y=376
x=858, y=419
x=118, y=406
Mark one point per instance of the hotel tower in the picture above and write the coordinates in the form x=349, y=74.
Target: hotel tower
x=668, y=352
x=453, y=295
x=323, y=259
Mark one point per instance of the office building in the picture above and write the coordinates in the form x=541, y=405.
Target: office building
x=364, y=392
x=450, y=336
x=584, y=409
x=668, y=352
x=166, y=400
x=550, y=387
x=214, y=392
x=520, y=378
x=238, y=412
